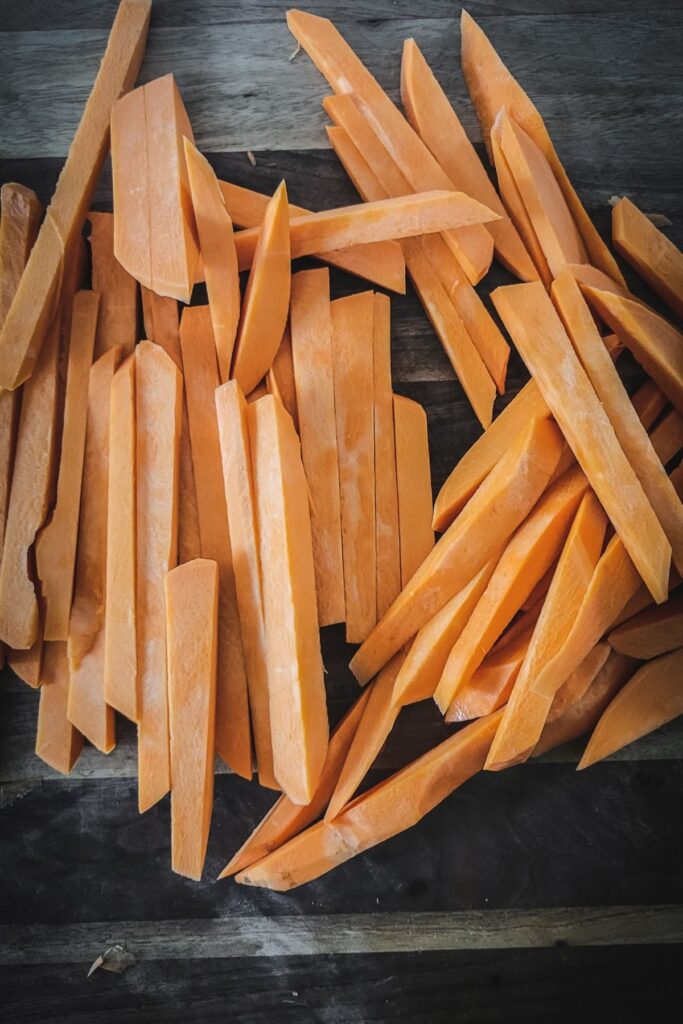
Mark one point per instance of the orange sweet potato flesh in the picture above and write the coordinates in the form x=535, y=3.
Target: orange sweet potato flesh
x=630, y=432
x=281, y=377
x=387, y=539
x=191, y=643
x=266, y=300
x=233, y=432
x=311, y=339
x=233, y=738
x=219, y=255
x=27, y=664
x=87, y=708
x=667, y=436
x=526, y=711
x=478, y=534
x=34, y=304
x=56, y=543
x=542, y=341
x=120, y=647
x=58, y=743
x=530, y=552
x=651, y=254
x=389, y=808
x=650, y=699
x=414, y=482
x=492, y=88
x=652, y=632
x=286, y=819
x=117, y=323
x=654, y=342
x=352, y=349
x=579, y=682
x=158, y=417
x=298, y=712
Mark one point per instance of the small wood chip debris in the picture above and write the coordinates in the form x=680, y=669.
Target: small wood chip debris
x=251, y=158
x=116, y=958
x=294, y=53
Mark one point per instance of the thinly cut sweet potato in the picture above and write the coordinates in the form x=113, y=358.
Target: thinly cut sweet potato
x=654, y=342
x=387, y=539
x=266, y=300
x=629, y=430
x=117, y=323
x=191, y=647
x=492, y=88
x=346, y=74
x=579, y=682
x=413, y=476
x=233, y=737
x=219, y=255
x=58, y=743
x=352, y=345
x=667, y=436
x=542, y=341
x=286, y=819
x=530, y=552
x=526, y=711
x=650, y=699
x=158, y=417
x=27, y=664
x=298, y=712
x=651, y=254
x=120, y=625
x=87, y=708
x=56, y=543
x=311, y=334
x=478, y=534
x=281, y=376
x=233, y=433
x=652, y=632
x=436, y=122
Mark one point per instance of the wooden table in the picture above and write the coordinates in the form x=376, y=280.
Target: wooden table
x=536, y=894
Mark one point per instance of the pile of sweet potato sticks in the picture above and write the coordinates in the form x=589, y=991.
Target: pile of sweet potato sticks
x=180, y=515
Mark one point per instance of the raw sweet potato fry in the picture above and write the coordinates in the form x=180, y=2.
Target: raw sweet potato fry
x=117, y=322
x=281, y=377
x=654, y=631
x=58, y=743
x=387, y=539
x=414, y=484
x=651, y=254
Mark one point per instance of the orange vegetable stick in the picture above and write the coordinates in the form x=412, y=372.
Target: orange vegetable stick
x=27, y=664
x=540, y=337
x=579, y=682
x=434, y=119
x=492, y=88
x=56, y=543
x=667, y=436
x=219, y=255
x=387, y=540
x=653, y=341
x=421, y=670
x=414, y=485
x=233, y=739
x=266, y=300
x=286, y=819
x=630, y=432
x=650, y=699
x=87, y=708
x=281, y=377
x=191, y=646
x=526, y=711
x=35, y=302
x=120, y=648
x=298, y=713
x=480, y=532
x=345, y=73
x=651, y=254
x=158, y=417
x=117, y=323
x=652, y=632
x=58, y=743
x=311, y=335
x=526, y=558
x=233, y=432
x=385, y=810
x=352, y=355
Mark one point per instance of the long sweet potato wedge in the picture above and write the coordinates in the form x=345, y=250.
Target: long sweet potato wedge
x=280, y=377
x=651, y=254
x=117, y=322
x=58, y=743
x=414, y=482
x=654, y=631
x=387, y=538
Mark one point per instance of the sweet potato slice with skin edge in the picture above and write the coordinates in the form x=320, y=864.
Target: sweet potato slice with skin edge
x=650, y=699
x=481, y=531
x=58, y=743
x=117, y=323
x=298, y=712
x=651, y=254
x=233, y=432
x=413, y=476
x=191, y=647
x=387, y=536
x=542, y=341
x=652, y=632
x=312, y=355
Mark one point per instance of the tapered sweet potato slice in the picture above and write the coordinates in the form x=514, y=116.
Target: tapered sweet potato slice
x=651, y=254
x=58, y=743
x=653, y=631
x=117, y=322
x=414, y=481
x=387, y=539
x=280, y=377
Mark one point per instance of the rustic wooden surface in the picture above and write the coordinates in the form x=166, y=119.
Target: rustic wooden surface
x=532, y=895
